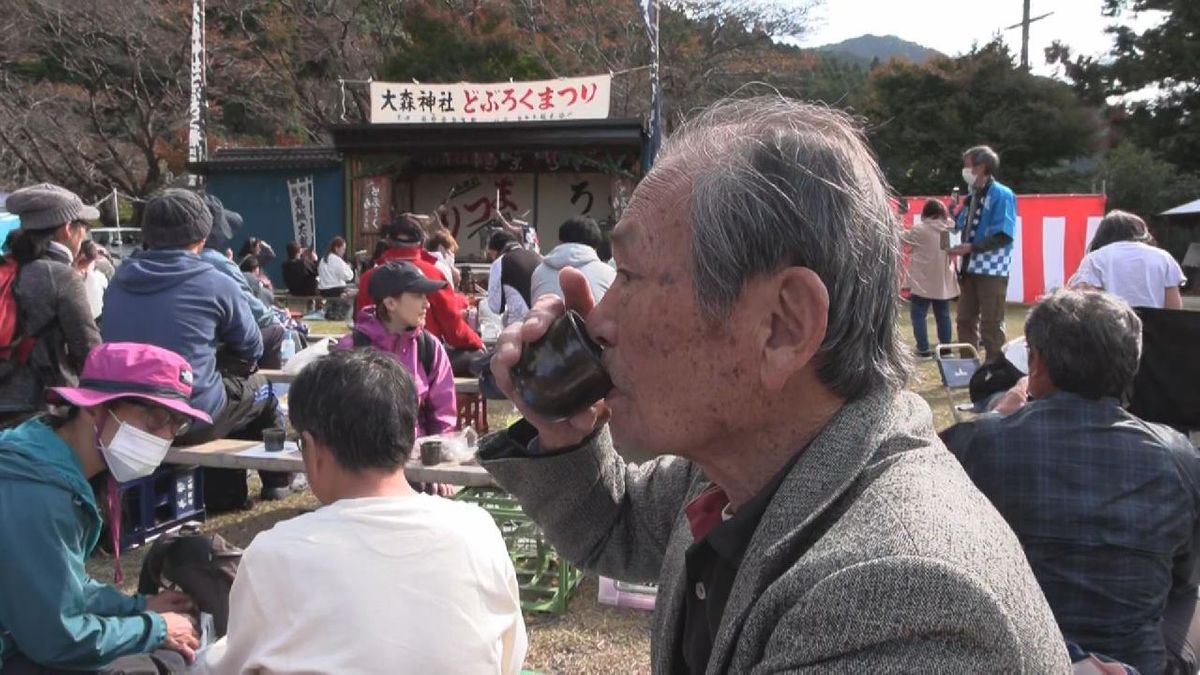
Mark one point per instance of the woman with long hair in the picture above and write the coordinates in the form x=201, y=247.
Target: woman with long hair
x=333, y=272
x=1124, y=261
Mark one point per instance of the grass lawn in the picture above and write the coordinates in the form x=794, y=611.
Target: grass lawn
x=589, y=638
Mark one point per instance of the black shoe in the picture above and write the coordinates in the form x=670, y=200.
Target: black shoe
x=275, y=494
x=928, y=354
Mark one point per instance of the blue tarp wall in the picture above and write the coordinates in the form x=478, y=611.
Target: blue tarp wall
x=261, y=196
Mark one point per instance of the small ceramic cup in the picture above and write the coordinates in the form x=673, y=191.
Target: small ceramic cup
x=431, y=453
x=561, y=374
x=273, y=439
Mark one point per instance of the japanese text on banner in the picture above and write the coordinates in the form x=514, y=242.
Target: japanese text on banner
x=573, y=98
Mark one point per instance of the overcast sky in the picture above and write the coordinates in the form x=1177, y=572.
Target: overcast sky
x=952, y=26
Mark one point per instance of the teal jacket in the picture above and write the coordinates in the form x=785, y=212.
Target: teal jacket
x=50, y=610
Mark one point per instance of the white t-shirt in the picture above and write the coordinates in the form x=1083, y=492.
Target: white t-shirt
x=1138, y=273
x=414, y=584
x=333, y=272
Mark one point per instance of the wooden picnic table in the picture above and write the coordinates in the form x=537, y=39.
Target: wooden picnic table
x=228, y=454
x=462, y=385
x=276, y=376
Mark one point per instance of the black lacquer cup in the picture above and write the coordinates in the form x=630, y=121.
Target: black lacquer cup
x=561, y=374
x=273, y=439
x=432, y=453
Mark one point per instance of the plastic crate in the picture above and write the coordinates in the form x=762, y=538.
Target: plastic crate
x=171, y=496
x=547, y=581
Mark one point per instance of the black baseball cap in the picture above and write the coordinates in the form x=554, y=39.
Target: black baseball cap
x=398, y=277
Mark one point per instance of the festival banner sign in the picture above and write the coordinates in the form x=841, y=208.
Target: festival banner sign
x=1053, y=233
x=572, y=98
x=300, y=195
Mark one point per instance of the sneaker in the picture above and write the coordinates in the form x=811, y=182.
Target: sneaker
x=927, y=354
x=275, y=494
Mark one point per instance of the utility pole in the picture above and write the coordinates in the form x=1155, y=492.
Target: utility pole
x=198, y=108
x=1024, y=26
x=1025, y=37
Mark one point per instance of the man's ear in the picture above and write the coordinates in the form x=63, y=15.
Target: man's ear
x=312, y=452
x=798, y=316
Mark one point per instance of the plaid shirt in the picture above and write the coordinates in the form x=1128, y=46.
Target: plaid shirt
x=1106, y=506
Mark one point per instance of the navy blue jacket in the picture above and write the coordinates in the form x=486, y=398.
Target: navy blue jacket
x=177, y=301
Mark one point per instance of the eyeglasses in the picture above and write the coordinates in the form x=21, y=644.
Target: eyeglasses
x=159, y=418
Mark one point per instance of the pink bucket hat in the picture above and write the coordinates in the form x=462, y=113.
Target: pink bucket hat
x=131, y=370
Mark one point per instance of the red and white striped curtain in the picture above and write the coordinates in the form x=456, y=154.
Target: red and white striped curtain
x=1053, y=233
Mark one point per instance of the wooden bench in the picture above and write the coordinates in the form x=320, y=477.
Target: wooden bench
x=233, y=454
x=285, y=299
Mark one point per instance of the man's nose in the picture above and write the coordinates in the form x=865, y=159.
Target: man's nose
x=600, y=324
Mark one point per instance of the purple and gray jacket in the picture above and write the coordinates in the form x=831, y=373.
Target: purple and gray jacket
x=437, y=410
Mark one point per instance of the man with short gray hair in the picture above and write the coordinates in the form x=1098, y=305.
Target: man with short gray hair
x=1105, y=504
x=800, y=514
x=988, y=223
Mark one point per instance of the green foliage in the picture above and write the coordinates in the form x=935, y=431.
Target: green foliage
x=439, y=49
x=923, y=117
x=1154, y=75
x=1137, y=181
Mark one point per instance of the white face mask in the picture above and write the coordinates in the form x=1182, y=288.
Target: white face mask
x=968, y=176
x=133, y=453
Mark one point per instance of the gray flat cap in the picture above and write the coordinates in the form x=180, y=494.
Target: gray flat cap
x=48, y=207
x=175, y=218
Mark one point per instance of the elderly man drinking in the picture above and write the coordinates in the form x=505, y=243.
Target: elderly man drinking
x=801, y=515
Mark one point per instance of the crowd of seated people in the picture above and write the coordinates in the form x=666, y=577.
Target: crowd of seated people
x=178, y=365
x=1105, y=506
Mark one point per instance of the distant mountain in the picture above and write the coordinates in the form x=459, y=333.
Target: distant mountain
x=866, y=48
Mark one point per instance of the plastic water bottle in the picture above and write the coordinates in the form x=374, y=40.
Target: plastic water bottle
x=288, y=350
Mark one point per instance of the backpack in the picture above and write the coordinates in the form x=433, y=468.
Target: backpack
x=201, y=565
x=13, y=345
x=993, y=378
x=425, y=348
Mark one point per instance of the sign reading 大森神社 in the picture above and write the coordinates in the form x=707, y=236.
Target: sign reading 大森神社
x=571, y=98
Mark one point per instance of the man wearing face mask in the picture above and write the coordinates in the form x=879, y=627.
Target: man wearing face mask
x=988, y=223
x=131, y=402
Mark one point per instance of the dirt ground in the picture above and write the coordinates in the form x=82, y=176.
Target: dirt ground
x=589, y=637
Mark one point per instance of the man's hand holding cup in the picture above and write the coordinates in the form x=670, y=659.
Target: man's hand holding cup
x=515, y=340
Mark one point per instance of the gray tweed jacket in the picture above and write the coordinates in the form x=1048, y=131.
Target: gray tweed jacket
x=53, y=306
x=876, y=555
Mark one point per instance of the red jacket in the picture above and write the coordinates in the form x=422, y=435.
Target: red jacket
x=444, y=319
